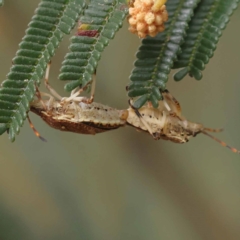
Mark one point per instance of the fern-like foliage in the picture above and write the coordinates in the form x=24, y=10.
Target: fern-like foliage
x=99, y=23
x=52, y=20
x=23, y=94
x=156, y=55
x=205, y=29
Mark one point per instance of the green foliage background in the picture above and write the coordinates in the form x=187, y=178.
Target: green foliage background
x=123, y=184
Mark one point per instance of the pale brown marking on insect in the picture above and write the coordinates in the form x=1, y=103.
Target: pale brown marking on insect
x=75, y=113
x=124, y=115
x=166, y=122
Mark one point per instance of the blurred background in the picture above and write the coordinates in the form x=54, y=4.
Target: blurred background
x=123, y=184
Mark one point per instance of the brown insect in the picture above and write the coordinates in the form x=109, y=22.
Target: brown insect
x=166, y=122
x=82, y=115
x=76, y=114
x=79, y=117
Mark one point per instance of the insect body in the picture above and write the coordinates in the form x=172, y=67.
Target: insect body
x=75, y=113
x=166, y=122
x=79, y=117
x=163, y=124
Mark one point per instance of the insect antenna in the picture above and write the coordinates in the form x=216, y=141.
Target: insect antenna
x=35, y=130
x=221, y=142
x=213, y=129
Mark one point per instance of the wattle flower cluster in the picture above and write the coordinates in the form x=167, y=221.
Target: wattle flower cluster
x=147, y=17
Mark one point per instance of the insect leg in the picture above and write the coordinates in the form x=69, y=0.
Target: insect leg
x=51, y=90
x=142, y=120
x=50, y=101
x=39, y=96
x=162, y=122
x=93, y=86
x=75, y=94
x=172, y=102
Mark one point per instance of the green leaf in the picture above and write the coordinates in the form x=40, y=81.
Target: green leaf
x=156, y=55
x=205, y=29
x=52, y=20
x=1, y=4
x=101, y=20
